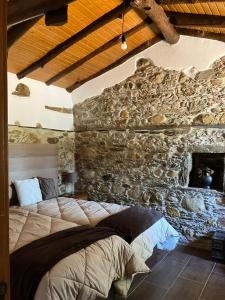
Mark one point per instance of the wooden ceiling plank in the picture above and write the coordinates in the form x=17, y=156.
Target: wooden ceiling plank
x=158, y=16
x=185, y=19
x=17, y=31
x=220, y=8
x=199, y=8
x=97, y=51
x=124, y=58
x=106, y=18
x=181, y=8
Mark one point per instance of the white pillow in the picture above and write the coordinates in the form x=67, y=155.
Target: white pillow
x=28, y=191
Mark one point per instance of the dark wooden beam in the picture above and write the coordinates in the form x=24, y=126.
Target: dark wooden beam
x=106, y=18
x=185, y=19
x=97, y=51
x=21, y=10
x=17, y=31
x=202, y=34
x=124, y=58
x=158, y=16
x=168, y=2
x=57, y=17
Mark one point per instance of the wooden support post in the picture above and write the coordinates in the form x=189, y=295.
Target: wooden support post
x=4, y=226
x=158, y=16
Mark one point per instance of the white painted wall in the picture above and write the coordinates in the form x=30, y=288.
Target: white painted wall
x=190, y=54
x=29, y=111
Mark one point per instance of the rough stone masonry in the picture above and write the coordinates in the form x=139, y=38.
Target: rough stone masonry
x=134, y=144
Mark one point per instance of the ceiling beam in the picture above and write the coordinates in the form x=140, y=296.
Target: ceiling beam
x=180, y=19
x=97, y=51
x=21, y=10
x=17, y=31
x=202, y=34
x=106, y=18
x=168, y=2
x=57, y=17
x=185, y=19
x=158, y=16
x=118, y=62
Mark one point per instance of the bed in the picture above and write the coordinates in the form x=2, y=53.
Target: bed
x=81, y=212
x=65, y=280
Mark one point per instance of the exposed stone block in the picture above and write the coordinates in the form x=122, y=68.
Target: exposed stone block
x=194, y=204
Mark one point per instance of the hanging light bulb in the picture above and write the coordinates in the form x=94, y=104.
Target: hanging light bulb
x=123, y=37
x=123, y=42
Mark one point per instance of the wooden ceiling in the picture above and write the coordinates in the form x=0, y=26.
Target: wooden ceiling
x=82, y=61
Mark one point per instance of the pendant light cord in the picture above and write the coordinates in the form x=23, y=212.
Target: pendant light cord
x=123, y=13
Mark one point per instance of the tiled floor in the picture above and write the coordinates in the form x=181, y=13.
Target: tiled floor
x=183, y=274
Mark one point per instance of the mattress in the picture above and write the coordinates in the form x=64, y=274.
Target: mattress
x=83, y=212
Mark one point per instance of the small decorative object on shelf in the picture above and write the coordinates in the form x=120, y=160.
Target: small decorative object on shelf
x=218, y=246
x=205, y=175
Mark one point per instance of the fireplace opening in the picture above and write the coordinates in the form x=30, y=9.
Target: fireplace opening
x=208, y=171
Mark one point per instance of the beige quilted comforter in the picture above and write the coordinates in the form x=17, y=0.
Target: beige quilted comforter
x=87, y=274
x=82, y=212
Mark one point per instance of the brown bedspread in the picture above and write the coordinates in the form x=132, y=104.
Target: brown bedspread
x=131, y=222
x=30, y=263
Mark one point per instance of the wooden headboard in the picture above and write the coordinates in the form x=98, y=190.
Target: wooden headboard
x=31, y=160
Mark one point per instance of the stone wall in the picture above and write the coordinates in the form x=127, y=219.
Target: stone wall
x=64, y=139
x=134, y=144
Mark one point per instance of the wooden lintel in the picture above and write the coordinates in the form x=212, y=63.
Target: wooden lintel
x=158, y=16
x=185, y=19
x=17, y=31
x=97, y=51
x=106, y=18
x=20, y=10
x=118, y=62
x=202, y=34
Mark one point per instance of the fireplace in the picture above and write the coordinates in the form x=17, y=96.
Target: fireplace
x=213, y=161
